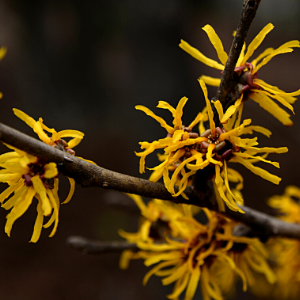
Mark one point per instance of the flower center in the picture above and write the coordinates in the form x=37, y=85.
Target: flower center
x=223, y=150
x=63, y=146
x=245, y=78
x=37, y=168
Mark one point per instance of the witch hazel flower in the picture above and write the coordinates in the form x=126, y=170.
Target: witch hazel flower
x=246, y=73
x=32, y=178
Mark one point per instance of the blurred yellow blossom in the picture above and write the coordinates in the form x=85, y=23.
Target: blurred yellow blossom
x=194, y=254
x=286, y=252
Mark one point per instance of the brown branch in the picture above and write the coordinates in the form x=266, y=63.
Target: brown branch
x=247, y=15
x=88, y=246
x=85, y=173
x=89, y=175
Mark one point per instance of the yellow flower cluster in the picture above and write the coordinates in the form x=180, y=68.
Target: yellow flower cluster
x=209, y=254
x=29, y=177
x=286, y=252
x=185, y=152
x=190, y=253
x=248, y=83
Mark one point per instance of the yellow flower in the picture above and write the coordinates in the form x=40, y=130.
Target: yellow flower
x=185, y=152
x=56, y=139
x=178, y=145
x=158, y=217
x=286, y=252
x=249, y=255
x=224, y=145
x=286, y=205
x=191, y=254
x=30, y=177
x=246, y=73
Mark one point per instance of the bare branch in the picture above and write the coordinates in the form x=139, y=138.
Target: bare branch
x=85, y=173
x=264, y=225
x=89, y=175
x=88, y=246
x=247, y=15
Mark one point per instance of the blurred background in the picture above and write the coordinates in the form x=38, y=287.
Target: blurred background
x=84, y=65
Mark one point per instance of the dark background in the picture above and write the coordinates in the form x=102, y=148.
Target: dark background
x=84, y=65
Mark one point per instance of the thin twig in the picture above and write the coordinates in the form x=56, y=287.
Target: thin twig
x=89, y=175
x=88, y=246
x=247, y=15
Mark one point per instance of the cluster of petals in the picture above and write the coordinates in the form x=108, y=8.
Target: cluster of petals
x=29, y=177
x=285, y=253
x=194, y=254
x=178, y=139
x=246, y=72
x=185, y=152
x=241, y=150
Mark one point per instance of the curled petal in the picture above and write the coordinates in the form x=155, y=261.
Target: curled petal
x=258, y=158
x=41, y=190
x=193, y=283
x=179, y=287
x=260, y=129
x=161, y=121
x=199, y=56
x=74, y=142
x=17, y=197
x=55, y=206
x=273, y=108
x=177, y=171
x=159, y=267
x=5, y=194
x=179, y=111
x=24, y=117
x=231, y=110
x=219, y=109
x=197, y=119
x=154, y=145
x=209, y=109
x=210, y=149
x=261, y=56
x=289, y=97
x=38, y=225
x=242, y=54
x=7, y=156
x=285, y=48
x=267, y=150
x=210, y=80
x=256, y=170
x=40, y=132
x=72, y=190
x=215, y=40
x=276, y=96
x=257, y=41
x=138, y=201
x=68, y=133
x=19, y=209
x=166, y=105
